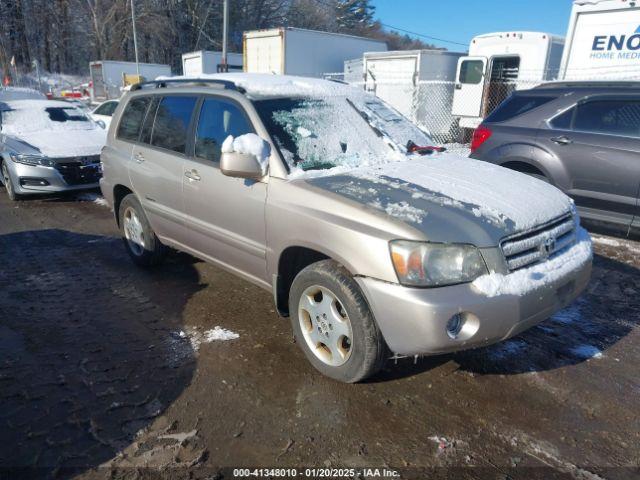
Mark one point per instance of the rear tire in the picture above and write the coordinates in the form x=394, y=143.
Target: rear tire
x=140, y=240
x=333, y=324
x=8, y=184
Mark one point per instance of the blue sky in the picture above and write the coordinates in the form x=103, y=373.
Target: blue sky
x=461, y=20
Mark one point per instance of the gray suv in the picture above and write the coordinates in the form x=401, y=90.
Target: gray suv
x=583, y=138
x=372, y=240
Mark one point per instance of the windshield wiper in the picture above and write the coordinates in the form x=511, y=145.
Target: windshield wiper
x=366, y=118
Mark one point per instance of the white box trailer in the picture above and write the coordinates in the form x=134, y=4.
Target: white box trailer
x=417, y=83
x=205, y=61
x=354, y=71
x=499, y=63
x=296, y=51
x=603, y=41
x=107, y=76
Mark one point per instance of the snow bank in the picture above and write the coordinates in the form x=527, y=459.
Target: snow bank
x=248, y=144
x=522, y=282
x=491, y=192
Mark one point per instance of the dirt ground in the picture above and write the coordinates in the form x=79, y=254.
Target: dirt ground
x=109, y=371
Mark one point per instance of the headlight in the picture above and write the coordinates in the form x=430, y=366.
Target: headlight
x=33, y=160
x=421, y=264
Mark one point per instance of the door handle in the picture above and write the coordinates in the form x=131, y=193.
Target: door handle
x=192, y=175
x=561, y=140
x=138, y=157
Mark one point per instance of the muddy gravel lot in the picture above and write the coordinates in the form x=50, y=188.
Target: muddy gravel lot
x=109, y=371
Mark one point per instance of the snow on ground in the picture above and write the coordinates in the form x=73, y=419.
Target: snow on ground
x=92, y=197
x=196, y=337
x=629, y=245
x=461, y=149
x=522, y=282
x=586, y=351
x=8, y=94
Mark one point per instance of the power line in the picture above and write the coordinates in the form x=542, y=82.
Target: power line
x=326, y=4
x=424, y=36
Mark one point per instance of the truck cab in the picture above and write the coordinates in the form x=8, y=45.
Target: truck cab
x=499, y=63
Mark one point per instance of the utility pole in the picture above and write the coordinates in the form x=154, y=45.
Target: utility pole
x=135, y=36
x=225, y=34
x=37, y=65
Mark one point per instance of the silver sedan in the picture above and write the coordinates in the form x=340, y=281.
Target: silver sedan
x=48, y=146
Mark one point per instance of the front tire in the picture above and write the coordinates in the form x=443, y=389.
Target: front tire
x=333, y=324
x=8, y=183
x=140, y=240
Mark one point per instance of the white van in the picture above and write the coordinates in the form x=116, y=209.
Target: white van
x=603, y=41
x=499, y=63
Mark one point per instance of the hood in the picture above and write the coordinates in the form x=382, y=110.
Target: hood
x=452, y=199
x=64, y=143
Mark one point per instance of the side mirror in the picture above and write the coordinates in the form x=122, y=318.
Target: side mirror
x=101, y=124
x=245, y=156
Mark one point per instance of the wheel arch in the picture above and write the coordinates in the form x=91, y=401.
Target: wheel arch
x=291, y=261
x=119, y=192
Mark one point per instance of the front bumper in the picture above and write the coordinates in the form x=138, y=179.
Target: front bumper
x=38, y=179
x=413, y=320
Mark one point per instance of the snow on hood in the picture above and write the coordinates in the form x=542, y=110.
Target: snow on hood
x=70, y=143
x=28, y=122
x=451, y=198
x=494, y=193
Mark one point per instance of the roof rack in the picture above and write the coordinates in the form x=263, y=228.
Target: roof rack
x=590, y=84
x=226, y=84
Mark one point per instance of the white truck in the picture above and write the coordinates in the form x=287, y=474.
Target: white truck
x=499, y=63
x=603, y=41
x=107, y=76
x=418, y=83
x=206, y=61
x=296, y=51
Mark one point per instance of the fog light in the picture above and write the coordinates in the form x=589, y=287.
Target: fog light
x=454, y=325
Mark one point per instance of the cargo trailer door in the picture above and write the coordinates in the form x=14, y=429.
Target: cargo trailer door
x=97, y=80
x=393, y=79
x=265, y=53
x=470, y=81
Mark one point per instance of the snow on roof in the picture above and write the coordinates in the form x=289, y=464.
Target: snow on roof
x=264, y=85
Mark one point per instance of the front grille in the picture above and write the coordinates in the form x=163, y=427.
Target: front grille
x=539, y=244
x=80, y=170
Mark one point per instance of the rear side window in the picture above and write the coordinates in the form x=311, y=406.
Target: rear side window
x=172, y=122
x=516, y=105
x=218, y=119
x=147, y=126
x=106, y=109
x=615, y=117
x=131, y=120
x=563, y=121
x=471, y=71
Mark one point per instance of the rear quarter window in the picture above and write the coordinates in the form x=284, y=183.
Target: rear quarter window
x=517, y=105
x=131, y=120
